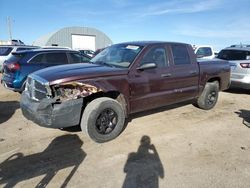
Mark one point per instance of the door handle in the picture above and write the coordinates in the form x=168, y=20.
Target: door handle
x=193, y=72
x=166, y=75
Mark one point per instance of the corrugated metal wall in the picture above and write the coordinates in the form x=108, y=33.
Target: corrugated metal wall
x=63, y=37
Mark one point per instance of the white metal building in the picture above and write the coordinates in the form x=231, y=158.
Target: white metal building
x=75, y=38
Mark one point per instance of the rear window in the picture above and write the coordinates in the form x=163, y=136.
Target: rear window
x=56, y=58
x=15, y=57
x=180, y=54
x=4, y=51
x=234, y=55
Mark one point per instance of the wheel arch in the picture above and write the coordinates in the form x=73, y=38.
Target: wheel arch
x=110, y=94
x=214, y=79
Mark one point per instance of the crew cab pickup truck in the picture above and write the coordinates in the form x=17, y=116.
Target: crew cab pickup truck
x=122, y=79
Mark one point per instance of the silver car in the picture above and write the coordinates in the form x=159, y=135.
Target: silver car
x=239, y=60
x=6, y=50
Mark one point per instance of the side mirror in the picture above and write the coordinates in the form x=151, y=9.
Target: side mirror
x=147, y=66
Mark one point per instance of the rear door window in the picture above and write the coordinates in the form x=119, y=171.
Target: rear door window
x=78, y=58
x=4, y=51
x=234, y=55
x=85, y=59
x=180, y=55
x=56, y=58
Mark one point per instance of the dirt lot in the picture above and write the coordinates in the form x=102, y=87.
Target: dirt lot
x=175, y=147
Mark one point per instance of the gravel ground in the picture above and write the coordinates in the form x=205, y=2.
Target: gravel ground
x=168, y=147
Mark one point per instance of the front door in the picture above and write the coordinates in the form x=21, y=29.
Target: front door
x=153, y=87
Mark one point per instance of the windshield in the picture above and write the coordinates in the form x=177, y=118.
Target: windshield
x=4, y=51
x=234, y=55
x=120, y=55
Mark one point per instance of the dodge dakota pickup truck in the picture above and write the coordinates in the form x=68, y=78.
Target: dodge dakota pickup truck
x=122, y=79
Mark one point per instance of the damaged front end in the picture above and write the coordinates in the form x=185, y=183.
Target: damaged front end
x=58, y=106
x=74, y=90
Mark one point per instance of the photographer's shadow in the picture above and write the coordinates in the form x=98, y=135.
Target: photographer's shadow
x=245, y=115
x=63, y=152
x=143, y=168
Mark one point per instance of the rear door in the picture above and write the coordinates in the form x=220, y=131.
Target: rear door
x=185, y=72
x=33, y=63
x=37, y=62
x=151, y=88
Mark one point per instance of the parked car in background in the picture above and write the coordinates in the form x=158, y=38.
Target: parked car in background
x=17, y=42
x=87, y=52
x=12, y=42
x=6, y=50
x=204, y=52
x=122, y=79
x=239, y=60
x=20, y=64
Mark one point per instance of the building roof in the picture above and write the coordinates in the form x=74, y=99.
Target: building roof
x=62, y=37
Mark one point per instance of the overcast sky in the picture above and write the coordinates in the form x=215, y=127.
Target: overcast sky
x=215, y=22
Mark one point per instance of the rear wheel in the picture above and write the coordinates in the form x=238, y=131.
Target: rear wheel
x=103, y=119
x=209, y=96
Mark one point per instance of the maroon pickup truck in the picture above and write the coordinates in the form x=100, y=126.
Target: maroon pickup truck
x=122, y=79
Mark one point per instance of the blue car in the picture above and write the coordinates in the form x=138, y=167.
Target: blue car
x=20, y=64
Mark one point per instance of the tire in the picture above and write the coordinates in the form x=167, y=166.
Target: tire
x=103, y=119
x=209, y=96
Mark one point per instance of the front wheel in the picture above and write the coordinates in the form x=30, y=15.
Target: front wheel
x=103, y=119
x=209, y=96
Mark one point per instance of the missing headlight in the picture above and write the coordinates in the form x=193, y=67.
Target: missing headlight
x=74, y=90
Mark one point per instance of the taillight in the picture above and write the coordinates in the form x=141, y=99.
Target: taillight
x=245, y=65
x=13, y=67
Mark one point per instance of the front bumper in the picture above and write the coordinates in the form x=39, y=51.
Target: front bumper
x=50, y=113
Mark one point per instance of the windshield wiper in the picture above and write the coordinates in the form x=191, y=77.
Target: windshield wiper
x=102, y=63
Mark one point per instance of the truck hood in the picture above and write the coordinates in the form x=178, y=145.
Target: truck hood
x=79, y=71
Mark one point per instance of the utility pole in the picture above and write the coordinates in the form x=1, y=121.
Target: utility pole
x=9, y=24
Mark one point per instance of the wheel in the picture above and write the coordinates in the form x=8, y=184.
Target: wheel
x=209, y=96
x=103, y=119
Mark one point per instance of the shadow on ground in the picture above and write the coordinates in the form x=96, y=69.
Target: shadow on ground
x=63, y=152
x=238, y=91
x=72, y=129
x=245, y=115
x=144, y=167
x=7, y=109
x=156, y=110
x=135, y=116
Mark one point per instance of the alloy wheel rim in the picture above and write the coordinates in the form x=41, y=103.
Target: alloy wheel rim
x=211, y=98
x=106, y=121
